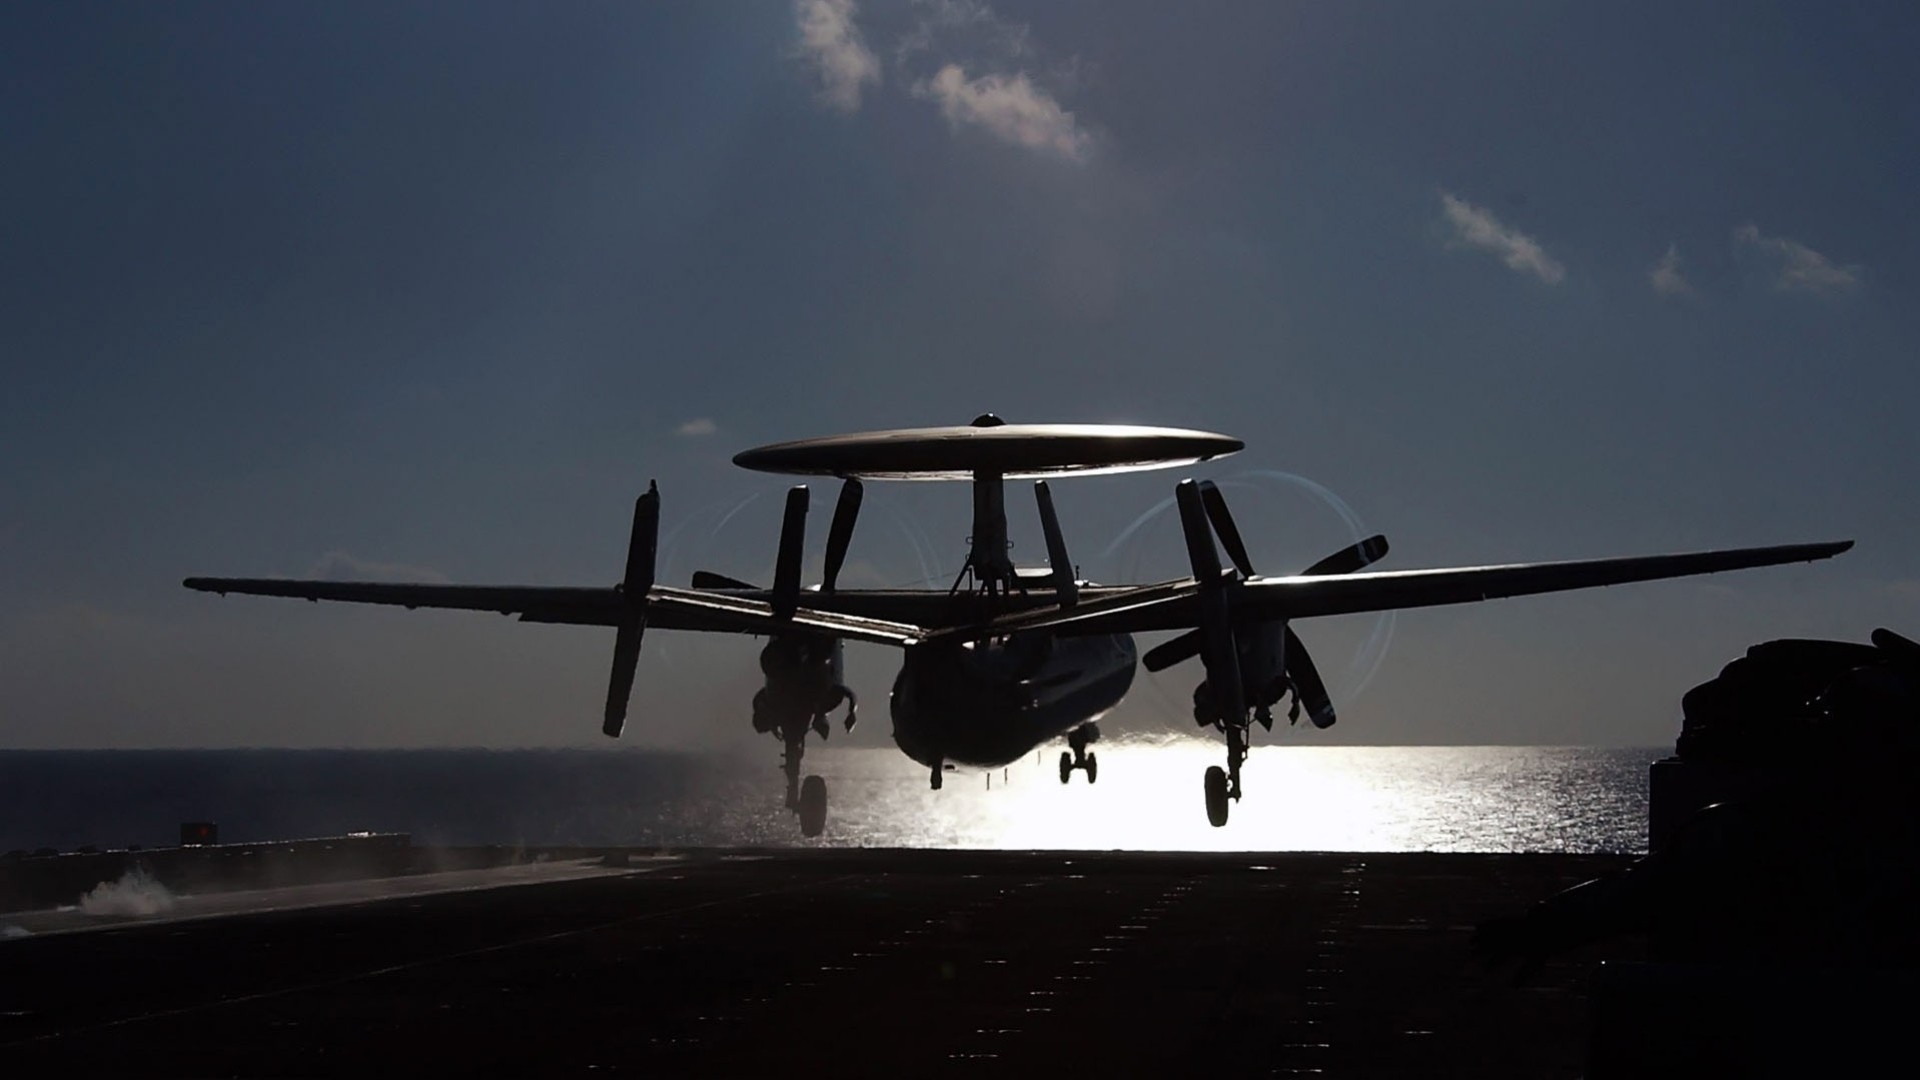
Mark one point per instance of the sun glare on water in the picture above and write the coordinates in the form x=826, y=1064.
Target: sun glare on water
x=1149, y=797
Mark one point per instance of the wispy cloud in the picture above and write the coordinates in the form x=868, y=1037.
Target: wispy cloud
x=834, y=46
x=1665, y=276
x=1010, y=108
x=340, y=566
x=944, y=40
x=972, y=20
x=1797, y=267
x=696, y=427
x=1476, y=227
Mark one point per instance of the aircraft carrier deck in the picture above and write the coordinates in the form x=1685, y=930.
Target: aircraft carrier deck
x=849, y=962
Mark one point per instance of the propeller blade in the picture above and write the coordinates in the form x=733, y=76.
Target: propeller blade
x=1218, y=650
x=840, y=533
x=1216, y=505
x=793, y=537
x=1350, y=560
x=642, y=548
x=1309, y=689
x=626, y=658
x=642, y=545
x=1168, y=653
x=1063, y=583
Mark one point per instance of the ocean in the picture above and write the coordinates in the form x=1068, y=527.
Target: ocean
x=1148, y=797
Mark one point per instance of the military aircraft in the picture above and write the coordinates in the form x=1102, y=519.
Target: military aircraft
x=1010, y=658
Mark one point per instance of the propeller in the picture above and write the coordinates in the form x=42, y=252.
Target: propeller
x=1064, y=586
x=642, y=547
x=1310, y=689
x=1216, y=505
x=786, y=584
x=1217, y=647
x=793, y=538
x=1350, y=560
x=840, y=533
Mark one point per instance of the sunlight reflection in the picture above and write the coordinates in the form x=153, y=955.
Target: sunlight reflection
x=1297, y=799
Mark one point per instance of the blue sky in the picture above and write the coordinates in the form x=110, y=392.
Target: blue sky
x=405, y=290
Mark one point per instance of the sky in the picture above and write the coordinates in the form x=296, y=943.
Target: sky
x=406, y=291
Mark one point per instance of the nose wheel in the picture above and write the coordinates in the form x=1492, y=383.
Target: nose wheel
x=1079, y=757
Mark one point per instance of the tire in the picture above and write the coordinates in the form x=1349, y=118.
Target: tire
x=1216, y=796
x=1066, y=766
x=813, y=806
x=1093, y=768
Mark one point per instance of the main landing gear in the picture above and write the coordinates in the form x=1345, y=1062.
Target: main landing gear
x=1223, y=785
x=1078, y=758
x=806, y=799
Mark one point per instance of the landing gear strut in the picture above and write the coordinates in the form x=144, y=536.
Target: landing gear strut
x=809, y=799
x=1223, y=785
x=1079, y=758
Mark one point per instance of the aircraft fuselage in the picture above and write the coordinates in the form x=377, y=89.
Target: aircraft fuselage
x=988, y=704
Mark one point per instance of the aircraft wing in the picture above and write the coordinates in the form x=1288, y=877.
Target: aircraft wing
x=667, y=608
x=1175, y=605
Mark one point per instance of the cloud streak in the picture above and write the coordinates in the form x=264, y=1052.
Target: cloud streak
x=1476, y=227
x=1010, y=108
x=968, y=19
x=1797, y=267
x=696, y=427
x=835, y=48
x=1665, y=277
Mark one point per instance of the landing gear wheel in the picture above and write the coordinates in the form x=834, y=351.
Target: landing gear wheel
x=1093, y=768
x=1066, y=766
x=1216, y=795
x=813, y=806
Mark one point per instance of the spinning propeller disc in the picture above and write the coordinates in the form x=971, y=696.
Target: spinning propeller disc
x=1012, y=451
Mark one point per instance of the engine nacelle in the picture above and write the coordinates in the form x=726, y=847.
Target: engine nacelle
x=1263, y=674
x=804, y=680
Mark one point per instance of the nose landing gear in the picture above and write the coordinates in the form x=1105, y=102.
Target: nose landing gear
x=1078, y=757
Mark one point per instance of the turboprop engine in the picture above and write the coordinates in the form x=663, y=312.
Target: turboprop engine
x=806, y=680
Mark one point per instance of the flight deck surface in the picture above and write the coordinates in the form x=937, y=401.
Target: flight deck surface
x=843, y=963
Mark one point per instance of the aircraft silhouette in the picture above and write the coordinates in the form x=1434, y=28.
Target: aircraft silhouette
x=1010, y=658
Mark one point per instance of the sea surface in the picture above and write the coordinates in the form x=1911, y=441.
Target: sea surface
x=1148, y=797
